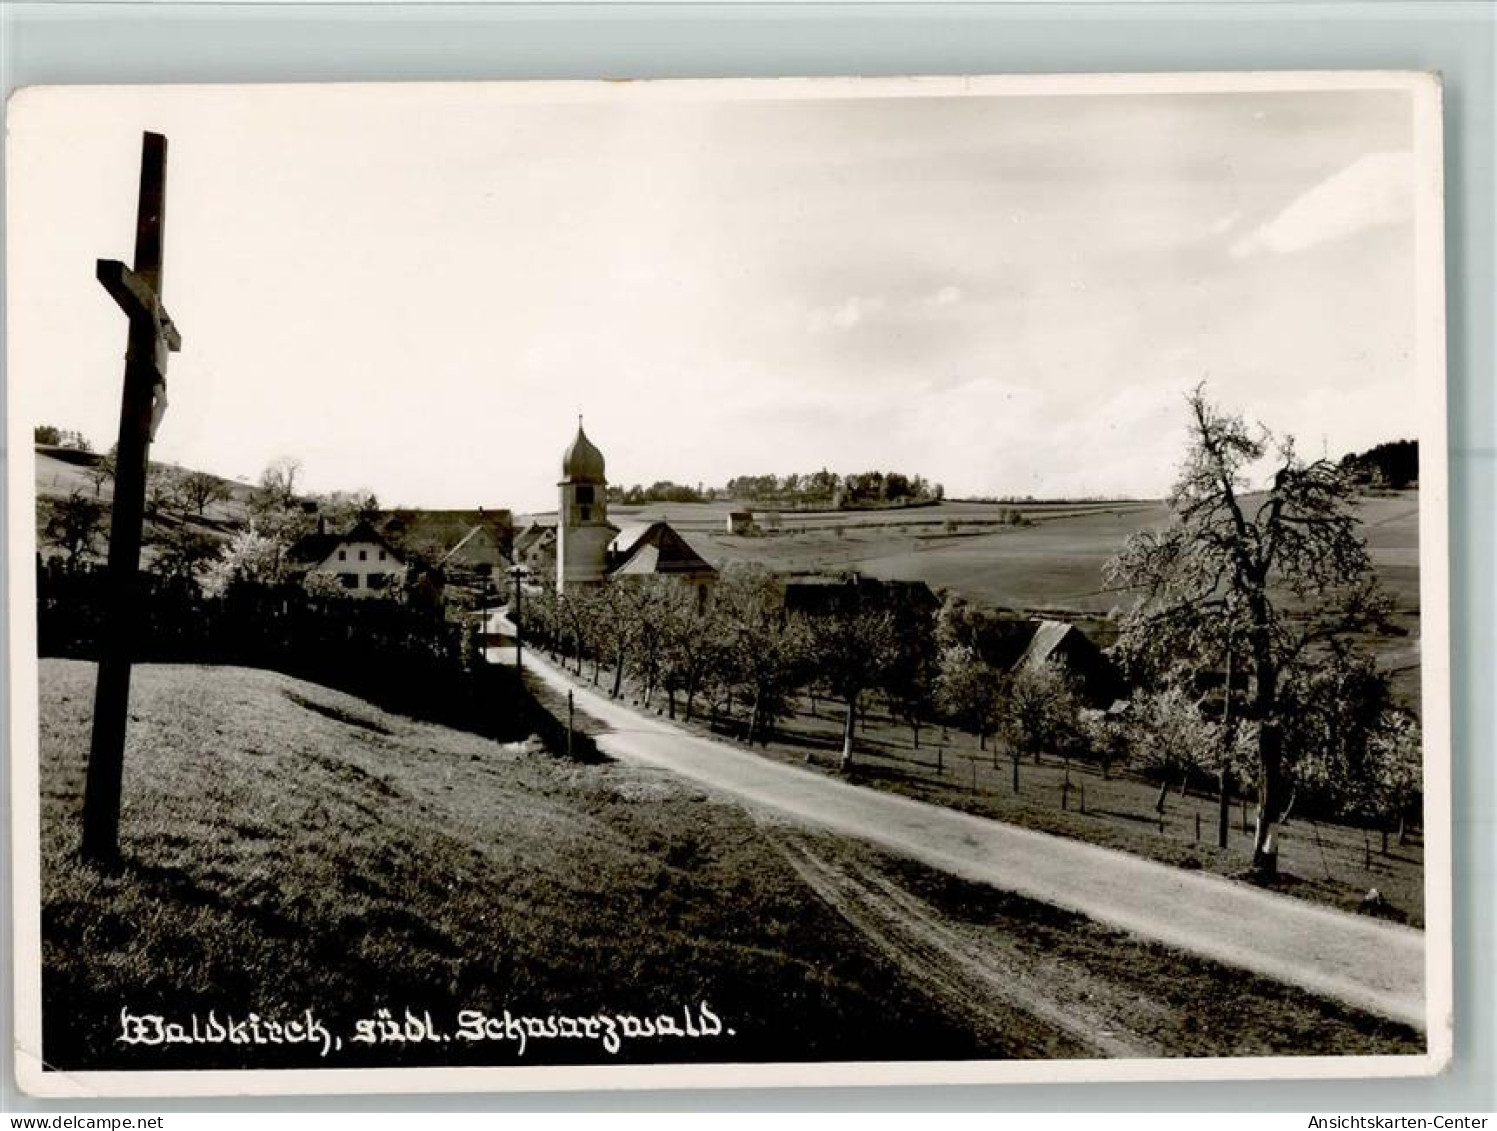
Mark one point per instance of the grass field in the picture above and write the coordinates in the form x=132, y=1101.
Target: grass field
x=290, y=848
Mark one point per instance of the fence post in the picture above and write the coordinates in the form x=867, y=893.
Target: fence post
x=569, y=722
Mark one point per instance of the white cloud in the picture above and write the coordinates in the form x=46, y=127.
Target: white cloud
x=1374, y=190
x=846, y=314
x=946, y=296
x=1225, y=224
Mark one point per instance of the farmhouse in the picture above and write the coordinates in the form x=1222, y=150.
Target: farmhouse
x=362, y=560
x=1065, y=646
x=478, y=554
x=433, y=534
x=590, y=550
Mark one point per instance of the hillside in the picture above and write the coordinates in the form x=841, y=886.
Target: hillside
x=291, y=848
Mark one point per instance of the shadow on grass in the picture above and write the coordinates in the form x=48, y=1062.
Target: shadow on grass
x=1138, y=818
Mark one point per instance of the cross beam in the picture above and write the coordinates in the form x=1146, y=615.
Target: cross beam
x=152, y=339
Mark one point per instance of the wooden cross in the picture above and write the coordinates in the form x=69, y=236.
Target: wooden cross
x=152, y=338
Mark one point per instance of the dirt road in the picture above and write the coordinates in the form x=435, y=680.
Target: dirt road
x=1374, y=965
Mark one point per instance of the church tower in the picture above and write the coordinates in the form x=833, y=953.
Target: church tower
x=583, y=531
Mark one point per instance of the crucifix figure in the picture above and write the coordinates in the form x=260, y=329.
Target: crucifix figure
x=152, y=338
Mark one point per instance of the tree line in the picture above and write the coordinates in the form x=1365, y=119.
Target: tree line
x=814, y=490
x=1393, y=465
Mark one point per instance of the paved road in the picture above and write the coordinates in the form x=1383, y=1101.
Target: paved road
x=1366, y=962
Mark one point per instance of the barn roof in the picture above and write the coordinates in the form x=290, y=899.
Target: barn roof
x=531, y=535
x=656, y=549
x=629, y=533
x=479, y=547
x=822, y=593
x=443, y=528
x=1048, y=635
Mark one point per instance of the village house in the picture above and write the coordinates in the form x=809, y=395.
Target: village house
x=433, y=534
x=535, y=548
x=361, y=560
x=478, y=555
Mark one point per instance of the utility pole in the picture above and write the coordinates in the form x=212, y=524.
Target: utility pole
x=1224, y=782
x=516, y=573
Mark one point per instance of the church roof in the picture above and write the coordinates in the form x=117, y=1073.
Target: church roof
x=657, y=549
x=582, y=462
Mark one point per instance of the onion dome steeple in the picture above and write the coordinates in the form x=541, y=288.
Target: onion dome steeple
x=582, y=462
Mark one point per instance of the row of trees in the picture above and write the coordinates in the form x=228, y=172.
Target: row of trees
x=661, y=491
x=827, y=489
x=742, y=658
x=796, y=490
x=741, y=651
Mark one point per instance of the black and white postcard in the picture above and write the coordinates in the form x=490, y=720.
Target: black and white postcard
x=673, y=584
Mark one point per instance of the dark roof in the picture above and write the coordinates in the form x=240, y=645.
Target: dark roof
x=1048, y=636
x=316, y=547
x=825, y=593
x=479, y=547
x=444, y=528
x=313, y=548
x=656, y=550
x=1066, y=646
x=534, y=541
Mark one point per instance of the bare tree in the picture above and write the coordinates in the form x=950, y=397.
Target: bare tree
x=199, y=490
x=1275, y=572
x=102, y=471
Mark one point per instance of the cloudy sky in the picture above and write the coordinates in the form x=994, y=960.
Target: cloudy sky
x=415, y=290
